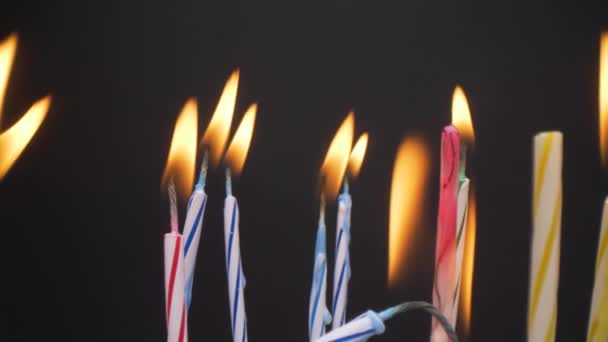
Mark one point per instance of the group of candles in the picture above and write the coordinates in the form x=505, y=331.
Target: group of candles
x=341, y=164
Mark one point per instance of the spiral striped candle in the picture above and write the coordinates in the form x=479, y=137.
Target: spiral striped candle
x=461, y=219
x=342, y=265
x=318, y=315
x=546, y=213
x=192, y=232
x=600, y=287
x=234, y=270
x=357, y=330
x=445, y=252
x=176, y=315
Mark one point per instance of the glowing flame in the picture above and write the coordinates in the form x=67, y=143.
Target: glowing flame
x=603, y=98
x=410, y=175
x=7, y=55
x=182, y=153
x=16, y=138
x=461, y=116
x=216, y=135
x=357, y=155
x=336, y=159
x=466, y=290
x=237, y=151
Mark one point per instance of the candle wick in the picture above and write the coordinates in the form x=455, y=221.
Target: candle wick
x=322, y=209
x=345, y=186
x=228, y=182
x=202, y=178
x=173, y=206
x=463, y=161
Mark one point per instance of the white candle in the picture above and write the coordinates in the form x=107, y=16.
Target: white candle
x=600, y=287
x=318, y=315
x=462, y=210
x=546, y=236
x=342, y=266
x=359, y=329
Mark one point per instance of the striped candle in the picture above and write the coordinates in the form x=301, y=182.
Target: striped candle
x=342, y=265
x=359, y=329
x=318, y=315
x=546, y=213
x=461, y=214
x=600, y=287
x=192, y=232
x=445, y=252
x=234, y=270
x=176, y=315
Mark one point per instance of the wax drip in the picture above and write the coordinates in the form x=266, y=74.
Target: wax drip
x=228, y=182
x=419, y=305
x=173, y=206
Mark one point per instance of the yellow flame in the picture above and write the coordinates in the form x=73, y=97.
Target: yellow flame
x=216, y=135
x=603, y=98
x=238, y=148
x=461, y=116
x=336, y=159
x=182, y=153
x=410, y=175
x=357, y=155
x=16, y=138
x=7, y=55
x=466, y=289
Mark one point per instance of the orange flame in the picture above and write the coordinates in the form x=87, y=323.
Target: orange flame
x=466, y=290
x=603, y=98
x=182, y=153
x=357, y=155
x=336, y=159
x=410, y=176
x=461, y=116
x=16, y=138
x=238, y=148
x=7, y=55
x=216, y=135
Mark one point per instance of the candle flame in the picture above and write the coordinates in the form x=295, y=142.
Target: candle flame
x=182, y=153
x=410, y=176
x=238, y=148
x=461, y=116
x=16, y=138
x=7, y=56
x=216, y=135
x=603, y=98
x=466, y=288
x=336, y=159
x=357, y=156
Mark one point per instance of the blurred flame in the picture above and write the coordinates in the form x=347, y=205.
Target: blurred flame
x=466, y=289
x=216, y=135
x=461, y=116
x=336, y=159
x=357, y=155
x=182, y=153
x=7, y=55
x=603, y=98
x=238, y=148
x=16, y=138
x=410, y=175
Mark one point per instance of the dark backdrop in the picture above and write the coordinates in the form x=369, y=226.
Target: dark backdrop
x=82, y=211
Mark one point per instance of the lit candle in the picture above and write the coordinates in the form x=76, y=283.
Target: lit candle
x=214, y=139
x=332, y=172
x=461, y=119
x=342, y=269
x=235, y=158
x=445, y=252
x=600, y=286
x=546, y=236
x=14, y=140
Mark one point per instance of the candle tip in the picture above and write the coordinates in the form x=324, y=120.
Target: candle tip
x=202, y=178
x=228, y=182
x=173, y=206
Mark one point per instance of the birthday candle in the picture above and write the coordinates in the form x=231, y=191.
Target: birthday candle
x=359, y=329
x=445, y=252
x=342, y=265
x=176, y=315
x=546, y=236
x=462, y=213
x=318, y=315
x=600, y=287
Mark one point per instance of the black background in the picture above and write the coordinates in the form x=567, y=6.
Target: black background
x=82, y=214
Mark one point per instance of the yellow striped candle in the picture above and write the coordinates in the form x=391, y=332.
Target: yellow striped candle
x=600, y=288
x=546, y=236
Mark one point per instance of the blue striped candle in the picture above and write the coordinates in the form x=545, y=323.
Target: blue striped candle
x=234, y=270
x=359, y=329
x=318, y=315
x=342, y=265
x=192, y=234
